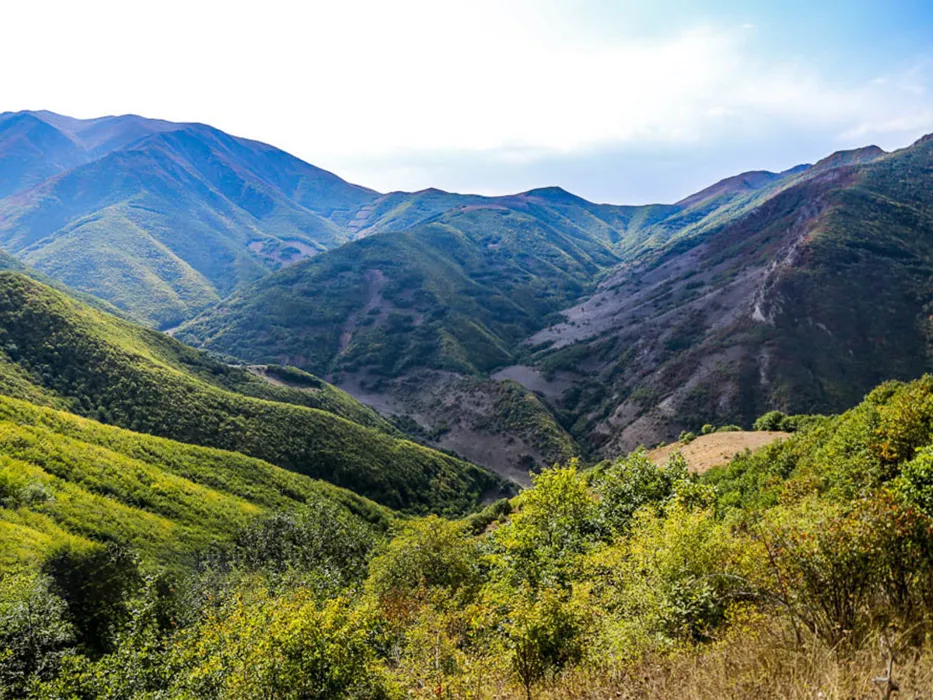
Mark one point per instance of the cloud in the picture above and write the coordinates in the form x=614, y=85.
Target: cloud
x=368, y=88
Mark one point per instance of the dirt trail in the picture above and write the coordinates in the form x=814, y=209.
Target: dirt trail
x=716, y=449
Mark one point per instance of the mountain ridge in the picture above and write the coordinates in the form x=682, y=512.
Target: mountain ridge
x=200, y=211
x=712, y=233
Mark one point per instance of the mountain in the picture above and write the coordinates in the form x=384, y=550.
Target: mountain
x=63, y=354
x=514, y=331
x=430, y=323
x=802, y=301
x=409, y=320
x=159, y=219
x=797, y=290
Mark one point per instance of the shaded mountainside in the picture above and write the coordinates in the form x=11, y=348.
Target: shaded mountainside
x=802, y=302
x=63, y=354
x=160, y=219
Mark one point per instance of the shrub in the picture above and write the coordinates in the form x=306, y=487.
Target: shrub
x=289, y=646
x=633, y=482
x=843, y=573
x=35, y=634
x=426, y=554
x=673, y=579
x=545, y=634
x=772, y=420
x=321, y=541
x=95, y=585
x=915, y=484
x=555, y=522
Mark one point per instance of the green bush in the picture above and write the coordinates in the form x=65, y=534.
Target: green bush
x=633, y=482
x=95, y=585
x=772, y=420
x=426, y=554
x=843, y=573
x=35, y=634
x=916, y=481
x=546, y=634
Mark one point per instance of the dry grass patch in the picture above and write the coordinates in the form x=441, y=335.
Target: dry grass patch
x=716, y=449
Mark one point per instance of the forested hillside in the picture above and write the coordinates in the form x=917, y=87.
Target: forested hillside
x=61, y=353
x=802, y=568
x=159, y=219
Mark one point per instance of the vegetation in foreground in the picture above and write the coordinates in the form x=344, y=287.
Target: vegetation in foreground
x=804, y=568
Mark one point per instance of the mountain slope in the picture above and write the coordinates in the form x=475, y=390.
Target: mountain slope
x=97, y=365
x=32, y=150
x=65, y=479
x=797, y=290
x=803, y=300
x=454, y=293
x=160, y=219
x=449, y=299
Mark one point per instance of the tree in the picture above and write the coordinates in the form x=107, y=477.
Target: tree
x=554, y=523
x=95, y=583
x=34, y=632
x=633, y=482
x=772, y=420
x=432, y=553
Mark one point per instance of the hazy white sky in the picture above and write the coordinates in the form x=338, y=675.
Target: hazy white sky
x=618, y=101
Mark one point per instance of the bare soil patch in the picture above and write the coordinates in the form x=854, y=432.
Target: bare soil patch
x=716, y=449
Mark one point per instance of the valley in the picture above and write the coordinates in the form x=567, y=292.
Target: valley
x=610, y=326
x=261, y=428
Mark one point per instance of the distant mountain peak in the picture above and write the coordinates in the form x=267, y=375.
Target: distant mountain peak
x=796, y=169
x=850, y=157
x=428, y=191
x=553, y=193
x=743, y=182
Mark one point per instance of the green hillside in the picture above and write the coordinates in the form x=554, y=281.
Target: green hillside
x=65, y=479
x=804, y=568
x=457, y=293
x=62, y=353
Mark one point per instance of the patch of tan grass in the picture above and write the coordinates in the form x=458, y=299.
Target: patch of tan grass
x=716, y=449
x=762, y=661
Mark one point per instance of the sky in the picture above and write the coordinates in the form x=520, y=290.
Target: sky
x=616, y=100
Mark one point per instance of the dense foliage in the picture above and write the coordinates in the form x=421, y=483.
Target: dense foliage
x=821, y=542
x=70, y=356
